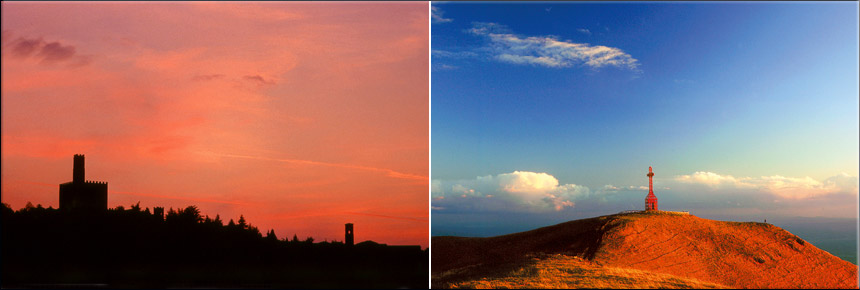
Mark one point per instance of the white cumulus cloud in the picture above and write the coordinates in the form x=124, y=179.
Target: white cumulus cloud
x=708, y=178
x=516, y=191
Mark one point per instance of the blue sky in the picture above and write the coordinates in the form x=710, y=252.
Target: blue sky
x=555, y=110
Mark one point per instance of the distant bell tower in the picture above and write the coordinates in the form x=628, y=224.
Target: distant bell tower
x=651, y=199
x=350, y=235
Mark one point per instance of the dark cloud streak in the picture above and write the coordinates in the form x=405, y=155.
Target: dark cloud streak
x=55, y=52
x=25, y=47
x=259, y=80
x=45, y=52
x=208, y=77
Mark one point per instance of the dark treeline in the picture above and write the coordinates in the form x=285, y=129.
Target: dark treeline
x=137, y=247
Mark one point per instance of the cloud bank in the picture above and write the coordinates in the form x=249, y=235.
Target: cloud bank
x=785, y=187
x=516, y=191
x=702, y=192
x=549, y=51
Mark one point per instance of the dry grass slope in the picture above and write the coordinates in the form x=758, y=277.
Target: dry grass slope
x=565, y=272
x=637, y=250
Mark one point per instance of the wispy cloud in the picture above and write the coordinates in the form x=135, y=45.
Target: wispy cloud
x=453, y=54
x=208, y=77
x=584, y=31
x=785, y=187
x=436, y=15
x=443, y=66
x=258, y=79
x=388, y=172
x=516, y=191
x=260, y=12
x=438, y=66
x=549, y=51
x=389, y=216
x=207, y=200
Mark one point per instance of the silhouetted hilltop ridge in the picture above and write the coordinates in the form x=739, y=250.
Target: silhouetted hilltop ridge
x=180, y=248
x=733, y=254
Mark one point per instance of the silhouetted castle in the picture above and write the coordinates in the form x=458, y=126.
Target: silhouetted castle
x=81, y=194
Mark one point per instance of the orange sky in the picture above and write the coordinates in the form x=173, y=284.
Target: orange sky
x=300, y=116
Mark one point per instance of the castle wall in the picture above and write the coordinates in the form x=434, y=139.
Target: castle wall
x=83, y=196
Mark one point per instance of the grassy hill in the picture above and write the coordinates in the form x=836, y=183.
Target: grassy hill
x=559, y=271
x=641, y=250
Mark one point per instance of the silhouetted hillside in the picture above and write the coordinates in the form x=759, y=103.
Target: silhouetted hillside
x=691, y=250
x=180, y=248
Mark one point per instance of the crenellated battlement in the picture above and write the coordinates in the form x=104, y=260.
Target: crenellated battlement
x=82, y=194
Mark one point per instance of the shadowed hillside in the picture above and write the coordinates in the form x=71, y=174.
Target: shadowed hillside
x=136, y=248
x=689, y=248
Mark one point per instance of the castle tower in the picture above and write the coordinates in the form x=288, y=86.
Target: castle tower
x=78, y=169
x=651, y=199
x=80, y=194
x=349, y=239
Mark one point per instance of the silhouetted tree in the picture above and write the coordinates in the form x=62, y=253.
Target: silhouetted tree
x=242, y=223
x=271, y=236
x=50, y=246
x=7, y=209
x=217, y=220
x=254, y=231
x=158, y=212
x=192, y=214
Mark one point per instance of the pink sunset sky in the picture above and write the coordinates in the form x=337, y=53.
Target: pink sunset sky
x=299, y=116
